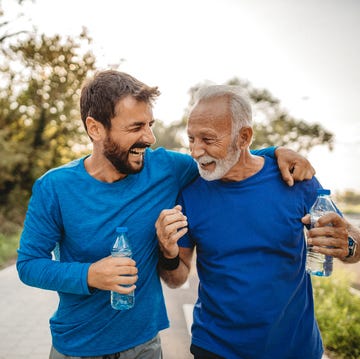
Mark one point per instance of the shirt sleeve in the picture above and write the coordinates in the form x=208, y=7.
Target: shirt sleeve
x=309, y=189
x=41, y=234
x=184, y=167
x=268, y=151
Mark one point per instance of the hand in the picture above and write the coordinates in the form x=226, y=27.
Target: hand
x=170, y=227
x=293, y=167
x=330, y=231
x=112, y=273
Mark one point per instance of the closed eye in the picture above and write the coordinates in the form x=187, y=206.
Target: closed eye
x=209, y=141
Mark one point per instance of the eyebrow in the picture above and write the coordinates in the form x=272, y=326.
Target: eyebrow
x=140, y=123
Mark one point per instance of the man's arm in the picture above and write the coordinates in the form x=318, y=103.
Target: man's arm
x=293, y=166
x=333, y=240
x=175, y=262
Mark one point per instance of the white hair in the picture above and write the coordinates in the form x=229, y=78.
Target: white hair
x=240, y=108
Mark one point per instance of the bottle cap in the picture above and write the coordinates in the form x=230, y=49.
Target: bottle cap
x=121, y=229
x=323, y=191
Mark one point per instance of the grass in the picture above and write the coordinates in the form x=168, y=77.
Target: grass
x=8, y=247
x=338, y=314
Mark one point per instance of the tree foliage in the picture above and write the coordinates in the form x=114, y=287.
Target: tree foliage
x=40, y=124
x=170, y=136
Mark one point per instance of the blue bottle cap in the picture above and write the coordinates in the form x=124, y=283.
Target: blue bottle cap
x=121, y=229
x=323, y=191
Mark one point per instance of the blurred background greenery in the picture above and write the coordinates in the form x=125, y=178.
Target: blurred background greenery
x=40, y=125
x=40, y=128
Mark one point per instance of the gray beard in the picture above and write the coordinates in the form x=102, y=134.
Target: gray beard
x=222, y=167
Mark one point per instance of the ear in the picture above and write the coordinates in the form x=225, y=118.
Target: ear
x=245, y=137
x=94, y=129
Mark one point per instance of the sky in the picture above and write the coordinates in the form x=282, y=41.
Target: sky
x=306, y=53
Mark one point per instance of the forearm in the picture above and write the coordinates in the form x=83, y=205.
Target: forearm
x=53, y=275
x=175, y=278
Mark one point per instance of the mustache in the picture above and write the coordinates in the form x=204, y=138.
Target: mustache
x=140, y=145
x=205, y=158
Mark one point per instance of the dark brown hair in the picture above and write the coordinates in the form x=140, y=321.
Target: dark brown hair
x=100, y=95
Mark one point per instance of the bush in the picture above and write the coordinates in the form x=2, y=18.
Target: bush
x=338, y=315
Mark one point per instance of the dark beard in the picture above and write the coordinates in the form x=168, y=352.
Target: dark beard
x=119, y=158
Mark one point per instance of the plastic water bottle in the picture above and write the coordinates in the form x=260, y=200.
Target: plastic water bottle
x=317, y=263
x=121, y=248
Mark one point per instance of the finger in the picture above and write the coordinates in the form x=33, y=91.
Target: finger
x=327, y=230
x=177, y=235
x=174, y=227
x=331, y=218
x=122, y=261
x=286, y=174
x=123, y=290
x=126, y=280
x=327, y=241
x=166, y=212
x=306, y=219
x=333, y=252
x=125, y=270
x=310, y=172
x=170, y=225
x=175, y=217
x=299, y=172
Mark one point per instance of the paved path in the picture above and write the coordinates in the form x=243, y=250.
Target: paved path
x=24, y=318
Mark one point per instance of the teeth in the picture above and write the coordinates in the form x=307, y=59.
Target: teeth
x=137, y=151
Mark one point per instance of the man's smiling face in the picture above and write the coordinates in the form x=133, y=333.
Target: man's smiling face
x=129, y=136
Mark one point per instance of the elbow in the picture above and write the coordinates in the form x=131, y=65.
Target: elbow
x=171, y=280
x=20, y=267
x=24, y=272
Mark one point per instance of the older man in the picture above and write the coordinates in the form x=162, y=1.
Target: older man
x=255, y=297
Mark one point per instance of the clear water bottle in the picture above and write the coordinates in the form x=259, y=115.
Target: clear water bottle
x=317, y=263
x=121, y=248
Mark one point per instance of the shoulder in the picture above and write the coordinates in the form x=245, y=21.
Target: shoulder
x=179, y=165
x=61, y=173
x=161, y=153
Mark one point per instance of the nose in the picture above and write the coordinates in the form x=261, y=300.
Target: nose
x=196, y=149
x=148, y=136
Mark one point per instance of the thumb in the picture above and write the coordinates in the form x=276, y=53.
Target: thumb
x=178, y=207
x=306, y=219
x=286, y=176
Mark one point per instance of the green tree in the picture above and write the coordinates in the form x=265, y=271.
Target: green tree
x=170, y=136
x=40, y=125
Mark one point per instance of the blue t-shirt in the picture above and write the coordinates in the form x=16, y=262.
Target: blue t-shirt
x=79, y=213
x=255, y=298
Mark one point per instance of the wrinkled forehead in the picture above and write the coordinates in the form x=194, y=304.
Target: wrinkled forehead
x=212, y=114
